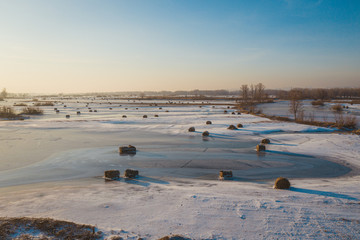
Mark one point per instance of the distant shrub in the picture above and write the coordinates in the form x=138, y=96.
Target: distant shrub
x=20, y=104
x=174, y=237
x=44, y=104
x=337, y=108
x=7, y=112
x=317, y=103
x=32, y=111
x=348, y=121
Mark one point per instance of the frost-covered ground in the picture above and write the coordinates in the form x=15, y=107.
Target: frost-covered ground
x=51, y=166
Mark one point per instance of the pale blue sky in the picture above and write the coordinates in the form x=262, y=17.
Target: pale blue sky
x=87, y=45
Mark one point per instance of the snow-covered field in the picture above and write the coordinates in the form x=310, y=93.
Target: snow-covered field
x=51, y=166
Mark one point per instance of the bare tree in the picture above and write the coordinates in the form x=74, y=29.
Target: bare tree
x=295, y=105
x=259, y=92
x=245, y=93
x=3, y=94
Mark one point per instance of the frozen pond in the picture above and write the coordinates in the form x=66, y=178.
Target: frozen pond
x=52, y=148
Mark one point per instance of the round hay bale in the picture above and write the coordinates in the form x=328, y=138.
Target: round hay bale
x=232, y=127
x=127, y=150
x=208, y=122
x=124, y=116
x=57, y=111
x=225, y=111
x=205, y=134
x=238, y=113
x=95, y=110
x=233, y=113
x=90, y=110
x=110, y=108
x=191, y=129
x=131, y=173
x=156, y=115
x=260, y=148
x=67, y=116
x=228, y=107
x=145, y=116
x=126, y=108
x=78, y=112
x=282, y=183
x=265, y=141
x=160, y=108
x=167, y=111
x=64, y=106
x=112, y=174
x=240, y=125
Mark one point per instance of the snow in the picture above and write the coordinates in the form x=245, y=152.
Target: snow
x=52, y=168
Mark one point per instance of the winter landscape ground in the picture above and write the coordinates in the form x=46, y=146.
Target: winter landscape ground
x=52, y=166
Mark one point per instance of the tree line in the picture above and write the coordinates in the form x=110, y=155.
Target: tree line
x=320, y=93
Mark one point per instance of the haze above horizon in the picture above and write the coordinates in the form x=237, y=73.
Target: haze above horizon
x=139, y=45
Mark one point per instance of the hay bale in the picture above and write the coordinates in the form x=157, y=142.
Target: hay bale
x=208, y=122
x=228, y=107
x=225, y=111
x=110, y=108
x=124, y=116
x=57, y=111
x=160, y=108
x=95, y=110
x=167, y=111
x=281, y=183
x=78, y=112
x=225, y=175
x=156, y=115
x=239, y=113
x=240, y=125
x=131, y=173
x=205, y=134
x=233, y=113
x=232, y=127
x=64, y=106
x=260, y=148
x=191, y=129
x=67, y=116
x=127, y=149
x=112, y=174
x=265, y=141
x=90, y=110
x=145, y=116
